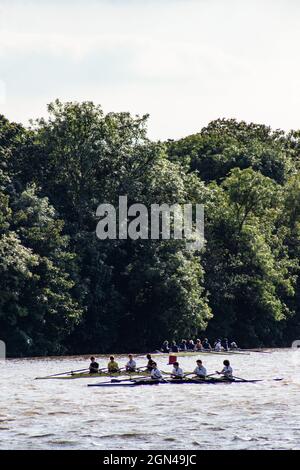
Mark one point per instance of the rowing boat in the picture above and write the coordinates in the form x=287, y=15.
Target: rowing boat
x=210, y=381
x=87, y=375
x=197, y=353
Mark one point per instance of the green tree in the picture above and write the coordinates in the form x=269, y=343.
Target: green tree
x=248, y=272
x=226, y=144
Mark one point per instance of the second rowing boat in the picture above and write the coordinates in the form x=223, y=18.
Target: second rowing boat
x=174, y=382
x=196, y=353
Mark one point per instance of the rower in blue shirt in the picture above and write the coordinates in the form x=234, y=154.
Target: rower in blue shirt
x=206, y=345
x=182, y=345
x=174, y=348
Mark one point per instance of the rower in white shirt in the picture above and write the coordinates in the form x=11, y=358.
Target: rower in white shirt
x=200, y=370
x=218, y=345
x=177, y=372
x=155, y=373
x=227, y=370
x=131, y=364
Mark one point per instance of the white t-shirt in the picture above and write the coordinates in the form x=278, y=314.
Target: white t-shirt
x=218, y=347
x=200, y=371
x=177, y=372
x=156, y=374
x=131, y=364
x=227, y=371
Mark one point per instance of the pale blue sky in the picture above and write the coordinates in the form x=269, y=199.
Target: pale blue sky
x=185, y=62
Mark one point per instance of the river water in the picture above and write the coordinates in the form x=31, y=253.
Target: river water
x=66, y=414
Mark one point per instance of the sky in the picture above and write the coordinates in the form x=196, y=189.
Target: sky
x=185, y=62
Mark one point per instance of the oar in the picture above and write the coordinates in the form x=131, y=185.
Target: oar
x=63, y=373
x=127, y=380
x=115, y=380
x=118, y=380
x=256, y=351
x=193, y=373
x=139, y=379
x=124, y=368
x=69, y=372
x=238, y=378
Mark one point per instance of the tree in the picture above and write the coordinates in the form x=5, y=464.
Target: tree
x=248, y=272
x=227, y=144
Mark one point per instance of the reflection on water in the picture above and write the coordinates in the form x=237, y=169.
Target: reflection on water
x=54, y=414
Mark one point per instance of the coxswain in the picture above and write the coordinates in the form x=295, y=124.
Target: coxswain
x=177, y=372
x=131, y=364
x=150, y=363
x=112, y=365
x=206, y=345
x=200, y=370
x=165, y=347
x=155, y=373
x=227, y=370
x=94, y=366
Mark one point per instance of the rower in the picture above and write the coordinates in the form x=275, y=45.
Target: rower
x=206, y=345
x=155, y=373
x=226, y=345
x=177, y=372
x=218, y=345
x=233, y=345
x=200, y=370
x=94, y=366
x=150, y=363
x=174, y=348
x=131, y=364
x=182, y=345
x=227, y=370
x=165, y=347
x=190, y=345
x=112, y=365
x=198, y=345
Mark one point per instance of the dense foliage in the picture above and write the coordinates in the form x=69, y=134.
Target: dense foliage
x=62, y=290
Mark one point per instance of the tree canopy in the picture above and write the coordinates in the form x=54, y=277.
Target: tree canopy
x=62, y=290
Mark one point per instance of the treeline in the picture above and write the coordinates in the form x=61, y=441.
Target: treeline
x=62, y=290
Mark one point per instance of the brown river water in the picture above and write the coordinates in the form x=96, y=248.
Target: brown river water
x=66, y=414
